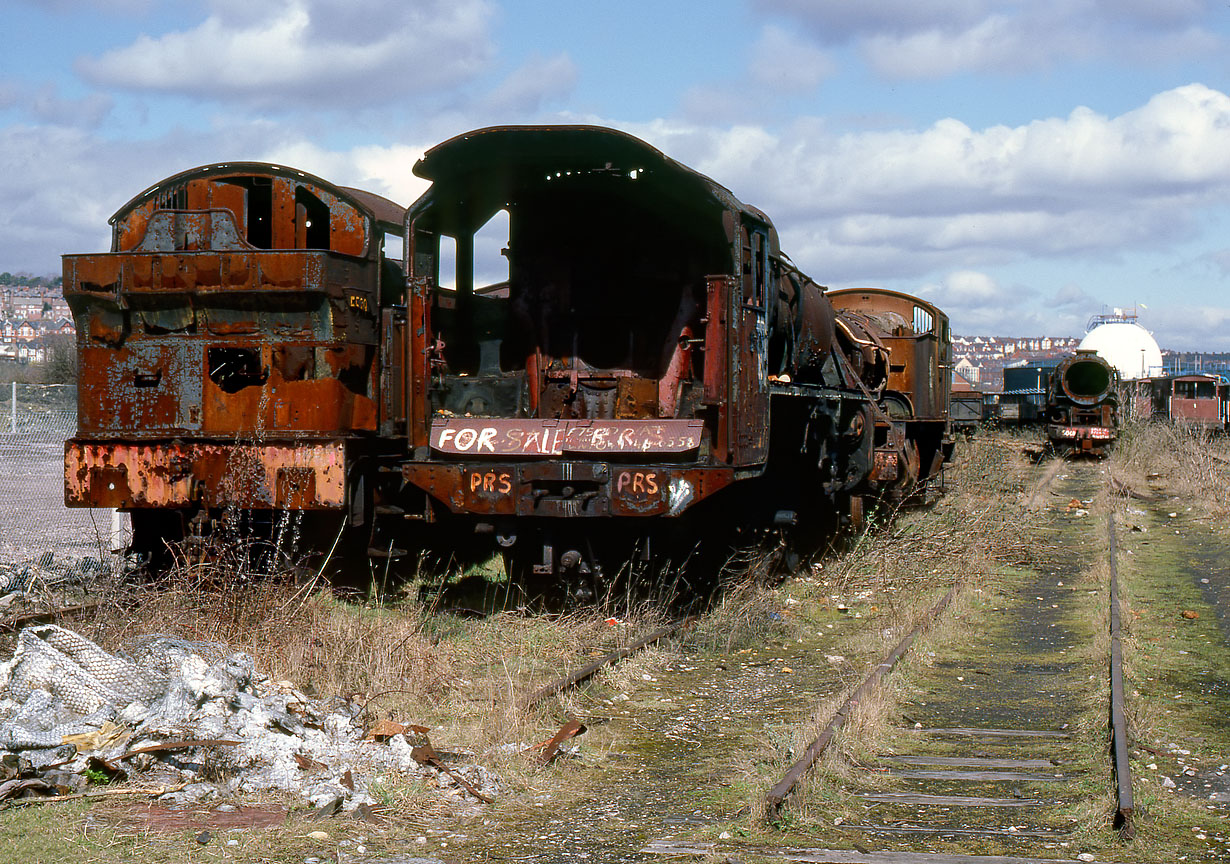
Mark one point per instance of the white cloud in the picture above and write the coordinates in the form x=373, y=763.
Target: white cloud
x=89, y=111
x=838, y=22
x=783, y=61
x=385, y=170
x=977, y=304
x=61, y=184
x=319, y=51
x=1189, y=327
x=529, y=88
x=882, y=204
x=907, y=39
x=994, y=43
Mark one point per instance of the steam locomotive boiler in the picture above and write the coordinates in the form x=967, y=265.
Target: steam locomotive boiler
x=1082, y=404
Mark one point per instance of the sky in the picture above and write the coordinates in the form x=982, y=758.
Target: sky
x=1025, y=164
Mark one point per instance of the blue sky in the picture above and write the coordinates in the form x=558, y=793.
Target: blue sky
x=1024, y=164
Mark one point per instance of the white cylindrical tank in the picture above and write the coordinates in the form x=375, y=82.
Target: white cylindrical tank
x=1127, y=346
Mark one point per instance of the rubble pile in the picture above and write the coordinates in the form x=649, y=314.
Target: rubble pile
x=199, y=719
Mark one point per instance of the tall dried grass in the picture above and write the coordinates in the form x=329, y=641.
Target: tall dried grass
x=396, y=658
x=1189, y=461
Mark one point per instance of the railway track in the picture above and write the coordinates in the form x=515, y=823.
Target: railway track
x=994, y=769
x=987, y=755
x=993, y=755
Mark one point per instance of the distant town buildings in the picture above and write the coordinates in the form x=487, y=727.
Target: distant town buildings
x=980, y=360
x=31, y=316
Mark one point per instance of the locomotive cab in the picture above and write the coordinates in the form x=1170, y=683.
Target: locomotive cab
x=229, y=343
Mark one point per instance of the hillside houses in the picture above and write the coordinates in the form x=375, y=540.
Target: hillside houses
x=980, y=360
x=30, y=318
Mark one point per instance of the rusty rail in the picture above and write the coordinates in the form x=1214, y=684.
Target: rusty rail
x=585, y=672
x=778, y=794
x=1118, y=718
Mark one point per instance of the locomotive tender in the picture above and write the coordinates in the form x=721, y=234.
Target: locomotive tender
x=586, y=344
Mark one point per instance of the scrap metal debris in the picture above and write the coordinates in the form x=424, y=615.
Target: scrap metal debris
x=171, y=711
x=549, y=749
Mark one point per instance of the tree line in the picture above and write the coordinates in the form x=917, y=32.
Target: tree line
x=28, y=281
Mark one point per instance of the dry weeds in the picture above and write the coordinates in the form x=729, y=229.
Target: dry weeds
x=1188, y=461
x=462, y=677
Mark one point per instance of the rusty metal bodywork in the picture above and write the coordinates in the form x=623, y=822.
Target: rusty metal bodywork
x=230, y=344
x=1082, y=403
x=627, y=357
x=629, y=349
x=913, y=439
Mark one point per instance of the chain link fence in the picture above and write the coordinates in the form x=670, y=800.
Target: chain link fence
x=39, y=536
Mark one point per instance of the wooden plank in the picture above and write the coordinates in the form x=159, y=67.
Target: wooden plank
x=970, y=761
x=950, y=800
x=973, y=776
x=837, y=856
x=993, y=733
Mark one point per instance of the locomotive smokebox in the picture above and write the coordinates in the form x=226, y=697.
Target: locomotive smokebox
x=1085, y=378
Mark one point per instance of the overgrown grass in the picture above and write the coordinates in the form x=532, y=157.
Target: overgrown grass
x=1187, y=461
x=1176, y=666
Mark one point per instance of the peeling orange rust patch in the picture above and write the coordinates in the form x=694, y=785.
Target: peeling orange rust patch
x=299, y=477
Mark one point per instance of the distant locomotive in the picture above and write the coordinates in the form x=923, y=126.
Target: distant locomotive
x=588, y=348
x=1082, y=404
x=915, y=397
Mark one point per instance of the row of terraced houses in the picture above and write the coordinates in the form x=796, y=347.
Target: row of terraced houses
x=30, y=317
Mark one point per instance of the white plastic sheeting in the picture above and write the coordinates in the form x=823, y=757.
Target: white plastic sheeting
x=61, y=685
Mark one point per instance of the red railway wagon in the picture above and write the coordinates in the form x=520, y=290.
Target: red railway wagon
x=1199, y=399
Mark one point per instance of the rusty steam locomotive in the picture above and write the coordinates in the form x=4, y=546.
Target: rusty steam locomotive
x=1082, y=404
x=587, y=349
